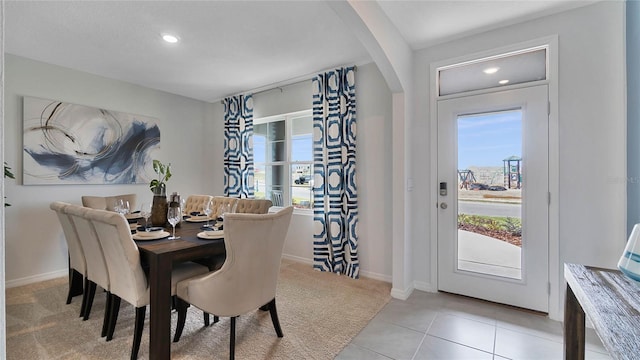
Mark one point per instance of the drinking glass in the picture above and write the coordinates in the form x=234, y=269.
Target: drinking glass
x=173, y=216
x=208, y=210
x=122, y=207
x=145, y=212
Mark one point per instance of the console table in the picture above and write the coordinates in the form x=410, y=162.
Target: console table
x=612, y=302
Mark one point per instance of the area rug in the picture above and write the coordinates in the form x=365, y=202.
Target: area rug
x=319, y=313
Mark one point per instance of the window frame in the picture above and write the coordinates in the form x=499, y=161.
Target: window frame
x=288, y=163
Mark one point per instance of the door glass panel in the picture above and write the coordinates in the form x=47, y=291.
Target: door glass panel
x=490, y=193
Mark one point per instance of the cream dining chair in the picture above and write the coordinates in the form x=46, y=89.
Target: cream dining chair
x=247, y=280
x=253, y=206
x=108, y=202
x=128, y=279
x=196, y=203
x=97, y=274
x=77, y=261
x=218, y=201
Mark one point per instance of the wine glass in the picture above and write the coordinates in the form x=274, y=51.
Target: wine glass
x=208, y=210
x=145, y=212
x=173, y=216
x=122, y=207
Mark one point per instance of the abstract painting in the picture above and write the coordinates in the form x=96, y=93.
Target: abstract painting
x=74, y=144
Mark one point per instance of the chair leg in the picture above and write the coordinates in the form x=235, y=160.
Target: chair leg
x=107, y=310
x=137, y=331
x=265, y=307
x=181, y=307
x=232, y=339
x=207, y=320
x=91, y=293
x=113, y=316
x=73, y=285
x=274, y=317
x=85, y=294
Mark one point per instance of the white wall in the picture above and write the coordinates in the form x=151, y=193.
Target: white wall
x=592, y=132
x=34, y=244
x=373, y=166
x=192, y=140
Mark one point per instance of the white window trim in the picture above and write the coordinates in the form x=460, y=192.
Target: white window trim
x=287, y=117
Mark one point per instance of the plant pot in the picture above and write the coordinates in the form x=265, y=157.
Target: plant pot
x=159, y=209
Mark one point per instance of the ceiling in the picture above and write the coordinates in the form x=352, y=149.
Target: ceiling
x=228, y=47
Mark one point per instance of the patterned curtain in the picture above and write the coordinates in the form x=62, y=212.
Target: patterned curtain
x=335, y=207
x=238, y=146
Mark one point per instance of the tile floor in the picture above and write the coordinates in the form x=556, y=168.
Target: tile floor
x=445, y=326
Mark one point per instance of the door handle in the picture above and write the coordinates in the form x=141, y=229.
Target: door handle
x=443, y=205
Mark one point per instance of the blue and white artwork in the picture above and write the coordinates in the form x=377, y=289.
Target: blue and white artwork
x=74, y=144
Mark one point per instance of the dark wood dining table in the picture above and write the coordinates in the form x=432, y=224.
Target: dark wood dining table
x=160, y=256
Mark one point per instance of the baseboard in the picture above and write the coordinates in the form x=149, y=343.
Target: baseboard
x=401, y=294
x=298, y=259
x=36, y=278
x=424, y=286
x=367, y=274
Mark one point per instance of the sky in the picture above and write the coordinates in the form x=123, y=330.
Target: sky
x=487, y=139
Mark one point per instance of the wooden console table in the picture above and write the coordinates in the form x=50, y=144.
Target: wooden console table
x=612, y=302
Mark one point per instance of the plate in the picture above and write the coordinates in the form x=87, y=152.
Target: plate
x=198, y=219
x=218, y=234
x=151, y=228
x=153, y=235
x=133, y=216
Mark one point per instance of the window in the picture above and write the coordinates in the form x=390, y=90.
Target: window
x=283, y=159
x=512, y=68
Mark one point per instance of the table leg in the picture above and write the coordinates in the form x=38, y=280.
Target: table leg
x=160, y=313
x=574, y=331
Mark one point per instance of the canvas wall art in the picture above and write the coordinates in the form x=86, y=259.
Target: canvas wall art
x=75, y=144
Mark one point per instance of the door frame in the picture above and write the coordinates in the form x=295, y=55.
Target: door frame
x=556, y=297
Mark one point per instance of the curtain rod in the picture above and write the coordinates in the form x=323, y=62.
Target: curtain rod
x=285, y=84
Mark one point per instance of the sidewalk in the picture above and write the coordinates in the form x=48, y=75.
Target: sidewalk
x=483, y=254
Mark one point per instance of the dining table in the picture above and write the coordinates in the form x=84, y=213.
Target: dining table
x=160, y=255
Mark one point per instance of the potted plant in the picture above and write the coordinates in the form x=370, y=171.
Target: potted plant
x=158, y=186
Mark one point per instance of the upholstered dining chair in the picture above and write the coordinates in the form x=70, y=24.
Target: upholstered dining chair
x=128, y=279
x=108, y=202
x=76, y=254
x=247, y=280
x=219, y=201
x=253, y=206
x=96, y=267
x=196, y=203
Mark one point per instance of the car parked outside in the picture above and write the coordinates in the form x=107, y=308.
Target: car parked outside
x=303, y=179
x=478, y=186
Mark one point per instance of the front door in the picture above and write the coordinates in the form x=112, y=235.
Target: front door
x=493, y=197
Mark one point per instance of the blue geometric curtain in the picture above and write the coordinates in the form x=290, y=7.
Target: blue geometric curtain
x=335, y=200
x=238, y=146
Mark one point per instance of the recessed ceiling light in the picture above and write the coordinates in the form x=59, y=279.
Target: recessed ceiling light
x=170, y=38
x=491, y=70
x=502, y=82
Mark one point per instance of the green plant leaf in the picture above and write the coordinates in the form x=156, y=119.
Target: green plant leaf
x=168, y=172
